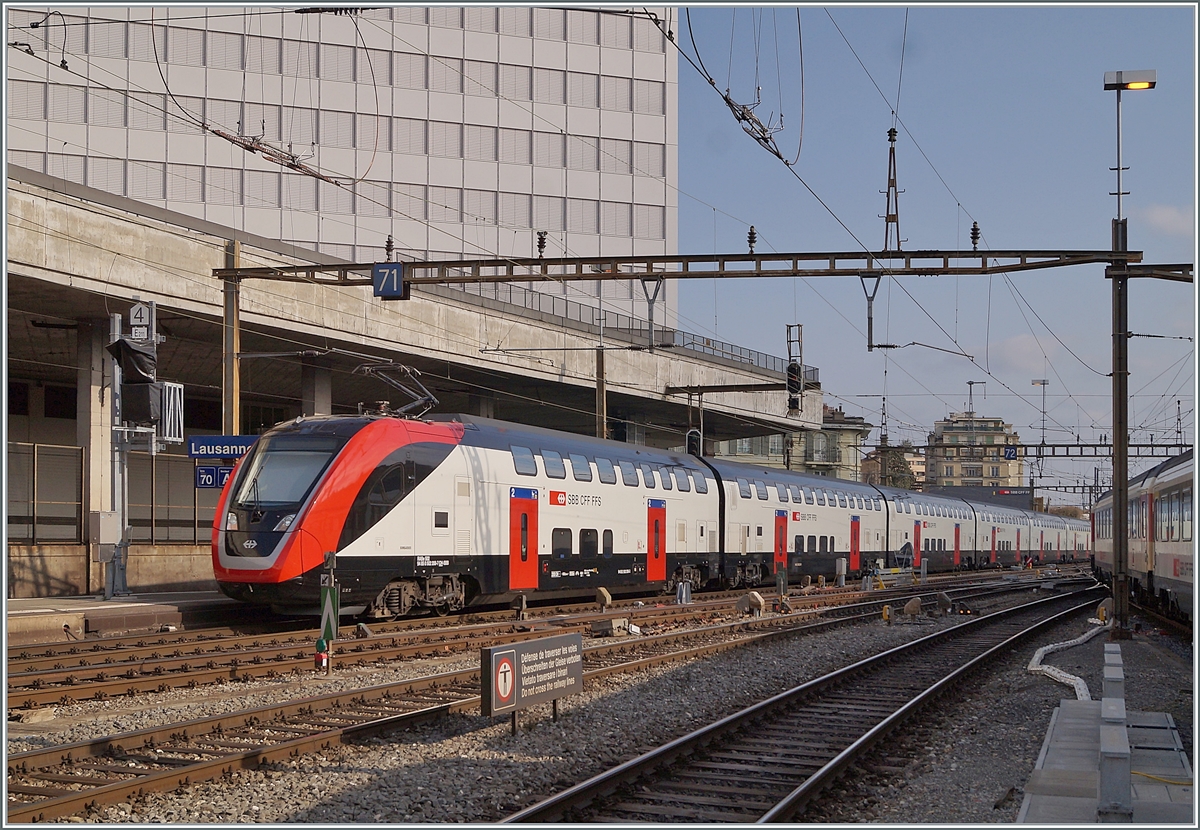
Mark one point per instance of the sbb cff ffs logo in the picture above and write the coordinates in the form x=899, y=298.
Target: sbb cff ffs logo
x=558, y=497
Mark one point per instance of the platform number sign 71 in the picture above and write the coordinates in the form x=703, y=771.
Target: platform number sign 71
x=387, y=280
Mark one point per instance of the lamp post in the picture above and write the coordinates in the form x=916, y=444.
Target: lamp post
x=1120, y=81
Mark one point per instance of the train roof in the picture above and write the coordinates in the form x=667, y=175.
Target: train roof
x=1155, y=471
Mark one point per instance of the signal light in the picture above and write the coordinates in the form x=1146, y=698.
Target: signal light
x=694, y=444
x=795, y=379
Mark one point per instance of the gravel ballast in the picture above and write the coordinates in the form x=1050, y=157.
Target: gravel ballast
x=953, y=766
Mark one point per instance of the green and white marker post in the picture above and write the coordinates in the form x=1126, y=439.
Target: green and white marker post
x=329, y=613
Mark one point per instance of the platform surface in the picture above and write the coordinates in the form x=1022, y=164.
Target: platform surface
x=33, y=620
x=1063, y=786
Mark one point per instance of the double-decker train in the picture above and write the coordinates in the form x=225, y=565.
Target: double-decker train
x=1161, y=551
x=446, y=513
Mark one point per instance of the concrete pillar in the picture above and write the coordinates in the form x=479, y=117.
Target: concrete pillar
x=316, y=389
x=93, y=429
x=482, y=404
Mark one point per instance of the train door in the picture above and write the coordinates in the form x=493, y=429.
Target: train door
x=656, y=540
x=781, y=522
x=916, y=544
x=855, y=560
x=957, y=545
x=1020, y=557
x=522, y=538
x=1041, y=542
x=993, y=557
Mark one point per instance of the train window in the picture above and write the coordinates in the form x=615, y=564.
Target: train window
x=580, y=468
x=589, y=543
x=759, y=533
x=899, y=509
x=907, y=507
x=523, y=461
x=824, y=544
x=604, y=469
x=799, y=544
x=657, y=539
x=743, y=488
x=812, y=544
x=553, y=463
x=628, y=473
x=783, y=492
x=664, y=474
x=841, y=499
x=681, y=479
x=878, y=504
x=385, y=487
x=795, y=491
x=808, y=496
x=524, y=537
x=647, y=475
x=820, y=497
x=608, y=544
x=760, y=487
x=701, y=484
x=560, y=542
x=441, y=518
x=1186, y=515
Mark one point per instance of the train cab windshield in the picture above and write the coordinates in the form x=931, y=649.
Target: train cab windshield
x=284, y=469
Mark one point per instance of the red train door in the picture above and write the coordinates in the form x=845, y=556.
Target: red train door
x=993, y=559
x=781, y=520
x=855, y=561
x=656, y=540
x=957, y=549
x=522, y=538
x=917, y=543
x=1020, y=559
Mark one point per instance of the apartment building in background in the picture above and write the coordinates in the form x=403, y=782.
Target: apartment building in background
x=971, y=450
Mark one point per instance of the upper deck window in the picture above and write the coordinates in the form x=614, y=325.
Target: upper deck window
x=553, y=463
x=523, y=461
x=580, y=468
x=628, y=473
x=604, y=469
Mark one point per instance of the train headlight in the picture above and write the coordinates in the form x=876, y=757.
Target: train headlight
x=286, y=522
x=231, y=521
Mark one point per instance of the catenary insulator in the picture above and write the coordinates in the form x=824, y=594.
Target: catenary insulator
x=974, y=236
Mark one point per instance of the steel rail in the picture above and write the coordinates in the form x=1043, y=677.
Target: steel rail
x=282, y=717
x=27, y=690
x=558, y=806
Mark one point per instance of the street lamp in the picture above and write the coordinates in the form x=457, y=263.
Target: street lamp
x=1132, y=80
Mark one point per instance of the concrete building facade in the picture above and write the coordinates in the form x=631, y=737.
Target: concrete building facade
x=833, y=449
x=968, y=450
x=453, y=132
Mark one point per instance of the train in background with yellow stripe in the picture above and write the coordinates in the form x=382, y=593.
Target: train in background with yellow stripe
x=455, y=511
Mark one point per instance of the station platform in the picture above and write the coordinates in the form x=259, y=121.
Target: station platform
x=1065, y=785
x=42, y=620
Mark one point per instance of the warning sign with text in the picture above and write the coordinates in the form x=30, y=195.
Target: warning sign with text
x=517, y=675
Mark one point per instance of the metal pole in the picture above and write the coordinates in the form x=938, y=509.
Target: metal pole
x=1120, y=387
x=231, y=386
x=601, y=397
x=1119, y=194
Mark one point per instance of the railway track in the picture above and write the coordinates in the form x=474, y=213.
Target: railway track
x=58, y=781
x=765, y=763
x=139, y=666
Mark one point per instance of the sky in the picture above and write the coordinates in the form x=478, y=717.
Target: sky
x=1003, y=120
